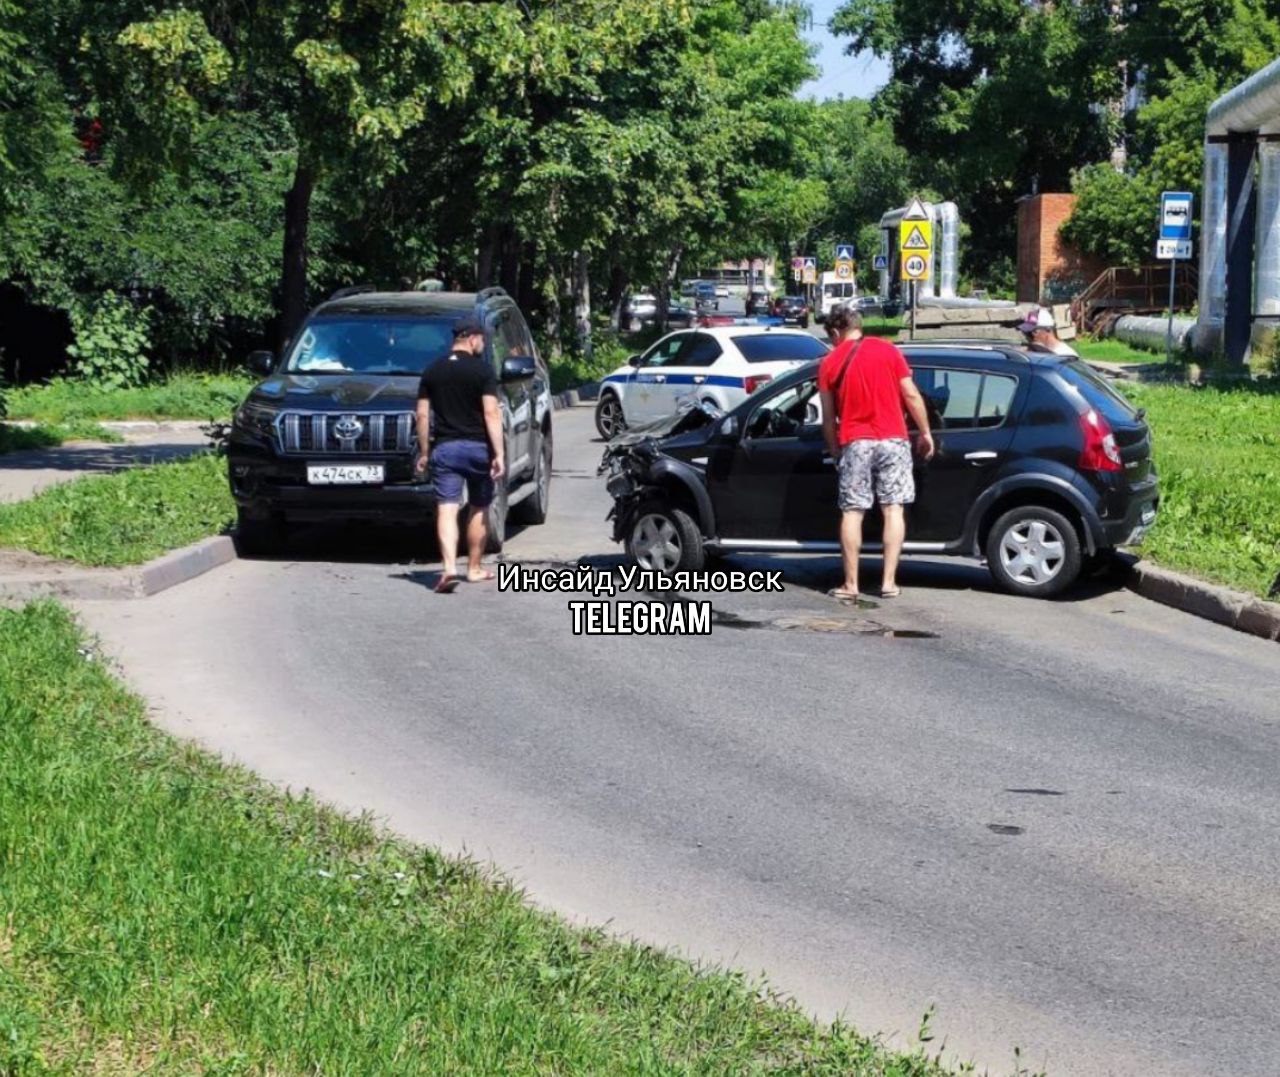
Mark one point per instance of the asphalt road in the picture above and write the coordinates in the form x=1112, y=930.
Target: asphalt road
x=1056, y=823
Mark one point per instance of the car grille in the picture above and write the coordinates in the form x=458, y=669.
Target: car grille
x=379, y=432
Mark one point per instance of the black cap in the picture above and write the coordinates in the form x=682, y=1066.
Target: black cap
x=464, y=327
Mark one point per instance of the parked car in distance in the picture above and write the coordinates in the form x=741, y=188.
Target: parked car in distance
x=759, y=301
x=642, y=312
x=330, y=432
x=792, y=308
x=706, y=296
x=688, y=289
x=722, y=291
x=1041, y=468
x=721, y=366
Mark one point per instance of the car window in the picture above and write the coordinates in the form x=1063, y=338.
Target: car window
x=964, y=399
x=500, y=343
x=370, y=345
x=1097, y=393
x=665, y=351
x=699, y=350
x=786, y=414
x=779, y=347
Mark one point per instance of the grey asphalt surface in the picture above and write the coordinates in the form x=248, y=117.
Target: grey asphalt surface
x=1058, y=823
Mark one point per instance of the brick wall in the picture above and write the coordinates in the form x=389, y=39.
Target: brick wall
x=1049, y=270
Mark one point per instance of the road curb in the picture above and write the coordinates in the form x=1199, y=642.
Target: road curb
x=124, y=425
x=581, y=394
x=1235, y=609
x=135, y=581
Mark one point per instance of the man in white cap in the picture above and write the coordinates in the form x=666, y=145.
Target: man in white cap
x=1042, y=333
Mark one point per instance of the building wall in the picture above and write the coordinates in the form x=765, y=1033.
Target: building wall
x=1050, y=270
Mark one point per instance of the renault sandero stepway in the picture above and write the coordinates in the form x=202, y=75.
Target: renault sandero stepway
x=1041, y=468
x=330, y=434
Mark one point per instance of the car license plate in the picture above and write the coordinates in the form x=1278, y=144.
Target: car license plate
x=345, y=474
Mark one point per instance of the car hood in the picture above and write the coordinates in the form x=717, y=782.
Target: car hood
x=320, y=392
x=689, y=421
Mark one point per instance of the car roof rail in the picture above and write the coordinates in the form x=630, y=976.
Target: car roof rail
x=352, y=289
x=491, y=292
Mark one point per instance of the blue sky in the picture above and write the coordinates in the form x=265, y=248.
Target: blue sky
x=850, y=76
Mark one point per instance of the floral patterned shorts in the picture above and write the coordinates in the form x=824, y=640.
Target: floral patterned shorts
x=872, y=471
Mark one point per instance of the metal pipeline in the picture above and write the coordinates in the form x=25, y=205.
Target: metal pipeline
x=1266, y=267
x=944, y=273
x=1149, y=333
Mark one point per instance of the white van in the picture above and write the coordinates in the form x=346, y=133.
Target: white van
x=834, y=293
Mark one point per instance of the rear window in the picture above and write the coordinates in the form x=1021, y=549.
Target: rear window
x=1097, y=393
x=779, y=347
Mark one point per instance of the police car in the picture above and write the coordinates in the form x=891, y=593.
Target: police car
x=723, y=365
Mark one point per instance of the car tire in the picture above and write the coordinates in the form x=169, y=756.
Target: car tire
x=533, y=509
x=260, y=535
x=665, y=539
x=496, y=519
x=1100, y=562
x=1034, y=551
x=610, y=418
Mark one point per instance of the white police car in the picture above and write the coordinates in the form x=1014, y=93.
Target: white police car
x=723, y=365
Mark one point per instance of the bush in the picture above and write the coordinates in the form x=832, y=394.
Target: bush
x=111, y=341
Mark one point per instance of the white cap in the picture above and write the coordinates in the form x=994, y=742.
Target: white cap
x=1041, y=318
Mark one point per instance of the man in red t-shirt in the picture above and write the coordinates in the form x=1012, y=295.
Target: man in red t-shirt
x=865, y=384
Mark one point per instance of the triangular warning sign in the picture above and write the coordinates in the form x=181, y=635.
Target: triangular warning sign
x=915, y=211
x=916, y=241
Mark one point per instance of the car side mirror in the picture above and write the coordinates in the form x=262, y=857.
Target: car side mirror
x=633, y=360
x=729, y=426
x=261, y=362
x=519, y=367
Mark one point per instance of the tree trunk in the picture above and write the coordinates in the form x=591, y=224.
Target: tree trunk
x=582, y=303
x=510, y=259
x=618, y=285
x=293, y=268
x=552, y=291
x=664, y=286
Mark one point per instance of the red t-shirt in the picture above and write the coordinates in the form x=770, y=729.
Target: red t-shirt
x=870, y=402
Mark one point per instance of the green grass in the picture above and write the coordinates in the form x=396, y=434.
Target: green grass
x=882, y=327
x=1110, y=350
x=125, y=518
x=182, y=396
x=1218, y=455
x=51, y=435
x=162, y=911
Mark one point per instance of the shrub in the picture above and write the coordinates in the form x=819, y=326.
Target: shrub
x=111, y=341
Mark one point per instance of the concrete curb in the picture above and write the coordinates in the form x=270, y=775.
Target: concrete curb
x=1235, y=609
x=125, y=425
x=135, y=581
x=572, y=397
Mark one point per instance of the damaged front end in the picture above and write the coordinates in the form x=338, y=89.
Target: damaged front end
x=632, y=461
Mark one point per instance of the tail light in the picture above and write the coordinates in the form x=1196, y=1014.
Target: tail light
x=754, y=381
x=1100, y=452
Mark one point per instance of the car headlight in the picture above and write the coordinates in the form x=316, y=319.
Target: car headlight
x=257, y=419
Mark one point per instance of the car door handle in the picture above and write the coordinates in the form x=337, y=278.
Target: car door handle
x=983, y=457
x=660, y=377
x=698, y=379
x=827, y=460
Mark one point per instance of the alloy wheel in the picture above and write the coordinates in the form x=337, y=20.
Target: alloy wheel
x=1032, y=552
x=656, y=542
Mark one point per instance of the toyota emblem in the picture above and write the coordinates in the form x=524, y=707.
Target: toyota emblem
x=348, y=428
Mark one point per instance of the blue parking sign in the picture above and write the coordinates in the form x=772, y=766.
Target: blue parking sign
x=1175, y=215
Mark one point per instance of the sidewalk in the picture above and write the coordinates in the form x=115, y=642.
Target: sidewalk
x=24, y=474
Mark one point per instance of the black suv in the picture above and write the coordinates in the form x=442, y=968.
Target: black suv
x=1041, y=468
x=330, y=434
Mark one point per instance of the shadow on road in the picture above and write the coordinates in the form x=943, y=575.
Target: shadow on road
x=97, y=458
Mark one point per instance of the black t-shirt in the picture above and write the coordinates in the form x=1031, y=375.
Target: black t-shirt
x=454, y=386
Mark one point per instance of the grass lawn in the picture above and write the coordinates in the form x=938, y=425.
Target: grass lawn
x=1110, y=350
x=161, y=911
x=882, y=327
x=125, y=518
x=182, y=396
x=1218, y=455
x=48, y=436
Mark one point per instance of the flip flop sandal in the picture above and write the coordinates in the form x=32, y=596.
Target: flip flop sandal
x=485, y=575
x=893, y=592
x=446, y=585
x=843, y=595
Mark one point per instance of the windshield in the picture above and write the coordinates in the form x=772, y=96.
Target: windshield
x=780, y=347
x=370, y=345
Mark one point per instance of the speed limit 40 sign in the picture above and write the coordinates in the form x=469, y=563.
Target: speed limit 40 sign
x=915, y=267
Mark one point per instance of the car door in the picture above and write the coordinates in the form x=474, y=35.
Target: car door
x=777, y=483
x=688, y=371
x=969, y=410
x=515, y=394
x=646, y=398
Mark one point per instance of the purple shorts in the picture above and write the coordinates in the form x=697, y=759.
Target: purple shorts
x=456, y=462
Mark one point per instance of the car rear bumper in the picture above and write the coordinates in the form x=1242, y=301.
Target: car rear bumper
x=1138, y=519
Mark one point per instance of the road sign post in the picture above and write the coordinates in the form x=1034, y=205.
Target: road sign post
x=915, y=249
x=1173, y=245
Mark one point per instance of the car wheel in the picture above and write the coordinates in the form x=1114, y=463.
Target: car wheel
x=1100, y=562
x=496, y=519
x=533, y=509
x=1034, y=551
x=259, y=536
x=664, y=539
x=610, y=421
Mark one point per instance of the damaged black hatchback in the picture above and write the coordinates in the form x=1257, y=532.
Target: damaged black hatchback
x=1041, y=468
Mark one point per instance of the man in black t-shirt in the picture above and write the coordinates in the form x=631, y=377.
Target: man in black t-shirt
x=461, y=392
